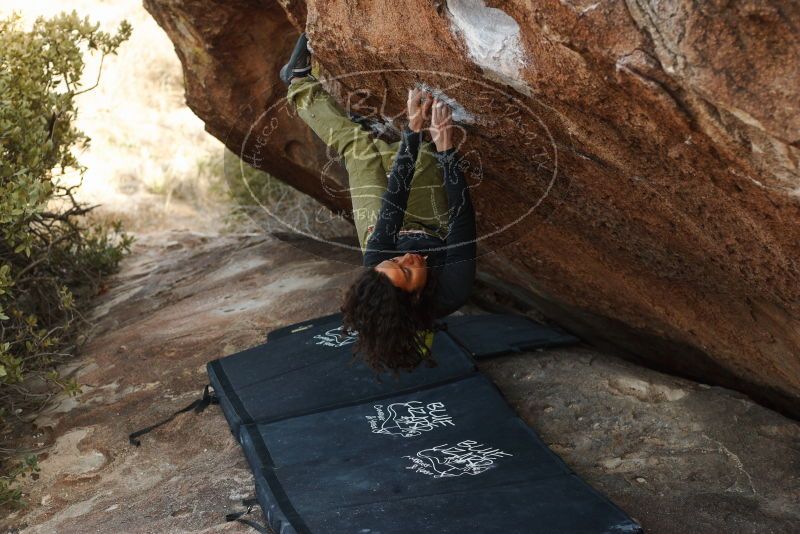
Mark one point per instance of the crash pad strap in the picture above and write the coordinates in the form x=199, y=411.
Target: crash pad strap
x=279, y=494
x=252, y=524
x=250, y=503
x=198, y=406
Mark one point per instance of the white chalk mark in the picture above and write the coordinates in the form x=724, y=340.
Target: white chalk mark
x=492, y=38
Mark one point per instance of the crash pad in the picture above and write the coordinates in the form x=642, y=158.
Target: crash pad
x=492, y=335
x=335, y=448
x=452, y=458
x=315, y=369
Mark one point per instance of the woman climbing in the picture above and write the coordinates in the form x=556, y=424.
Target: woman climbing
x=415, y=223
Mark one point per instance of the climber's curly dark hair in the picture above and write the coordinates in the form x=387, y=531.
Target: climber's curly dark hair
x=389, y=321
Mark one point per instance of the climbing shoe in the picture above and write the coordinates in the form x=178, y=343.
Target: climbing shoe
x=299, y=63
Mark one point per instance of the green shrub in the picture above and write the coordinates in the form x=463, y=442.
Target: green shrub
x=52, y=259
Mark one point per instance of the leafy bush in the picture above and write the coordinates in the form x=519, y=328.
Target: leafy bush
x=52, y=259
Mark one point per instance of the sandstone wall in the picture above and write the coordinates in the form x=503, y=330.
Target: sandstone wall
x=634, y=164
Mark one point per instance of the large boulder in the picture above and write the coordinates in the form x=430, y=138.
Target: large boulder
x=634, y=164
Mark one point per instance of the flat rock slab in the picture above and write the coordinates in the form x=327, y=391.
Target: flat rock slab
x=677, y=456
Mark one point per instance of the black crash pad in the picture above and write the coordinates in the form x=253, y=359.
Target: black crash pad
x=334, y=319
x=483, y=335
x=436, y=450
x=489, y=335
x=314, y=369
x=452, y=458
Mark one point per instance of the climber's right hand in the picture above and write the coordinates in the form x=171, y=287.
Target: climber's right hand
x=419, y=107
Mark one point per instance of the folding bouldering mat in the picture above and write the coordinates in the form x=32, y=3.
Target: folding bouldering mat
x=489, y=335
x=333, y=320
x=452, y=458
x=483, y=335
x=311, y=368
x=437, y=450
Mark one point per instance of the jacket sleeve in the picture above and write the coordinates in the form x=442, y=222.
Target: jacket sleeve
x=458, y=274
x=382, y=244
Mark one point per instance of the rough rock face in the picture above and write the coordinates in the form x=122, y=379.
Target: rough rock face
x=634, y=163
x=678, y=456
